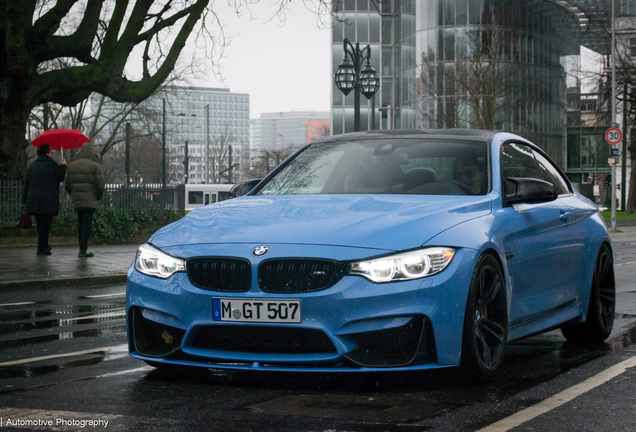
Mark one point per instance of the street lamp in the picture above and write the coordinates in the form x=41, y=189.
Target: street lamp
x=351, y=76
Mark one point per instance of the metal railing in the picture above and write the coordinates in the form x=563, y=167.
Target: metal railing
x=117, y=196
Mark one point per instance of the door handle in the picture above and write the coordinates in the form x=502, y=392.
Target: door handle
x=565, y=216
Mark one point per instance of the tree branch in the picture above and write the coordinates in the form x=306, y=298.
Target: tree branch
x=48, y=24
x=79, y=45
x=112, y=31
x=162, y=24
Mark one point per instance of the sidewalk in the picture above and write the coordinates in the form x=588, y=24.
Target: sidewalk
x=623, y=234
x=22, y=269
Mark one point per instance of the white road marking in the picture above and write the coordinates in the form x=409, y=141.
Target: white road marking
x=17, y=304
x=560, y=398
x=126, y=372
x=627, y=263
x=71, y=354
x=105, y=295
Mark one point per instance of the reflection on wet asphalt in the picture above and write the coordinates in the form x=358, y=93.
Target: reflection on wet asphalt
x=34, y=371
x=59, y=321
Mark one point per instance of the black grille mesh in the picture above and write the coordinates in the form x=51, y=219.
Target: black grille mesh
x=220, y=274
x=263, y=340
x=290, y=276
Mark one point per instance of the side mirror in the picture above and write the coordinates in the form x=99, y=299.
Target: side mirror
x=243, y=188
x=529, y=190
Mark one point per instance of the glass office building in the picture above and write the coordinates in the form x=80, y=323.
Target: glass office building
x=488, y=64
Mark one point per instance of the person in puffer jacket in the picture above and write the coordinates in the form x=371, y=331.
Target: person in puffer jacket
x=84, y=182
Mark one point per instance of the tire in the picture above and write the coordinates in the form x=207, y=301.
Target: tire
x=600, y=315
x=485, y=322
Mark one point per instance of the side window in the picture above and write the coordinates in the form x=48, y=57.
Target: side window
x=195, y=198
x=552, y=174
x=518, y=160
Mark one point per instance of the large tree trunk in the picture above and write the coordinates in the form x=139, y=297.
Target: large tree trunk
x=631, y=196
x=13, y=121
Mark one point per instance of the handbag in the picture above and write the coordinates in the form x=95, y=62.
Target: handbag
x=24, y=221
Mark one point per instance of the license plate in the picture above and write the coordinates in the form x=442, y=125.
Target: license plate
x=256, y=310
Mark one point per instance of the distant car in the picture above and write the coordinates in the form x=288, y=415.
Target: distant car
x=384, y=250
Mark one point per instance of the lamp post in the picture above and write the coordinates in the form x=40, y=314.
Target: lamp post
x=351, y=76
x=207, y=145
x=163, y=144
x=186, y=164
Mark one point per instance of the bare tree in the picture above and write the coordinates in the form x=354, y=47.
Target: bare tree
x=442, y=86
x=145, y=161
x=100, y=38
x=477, y=89
x=219, y=156
x=264, y=161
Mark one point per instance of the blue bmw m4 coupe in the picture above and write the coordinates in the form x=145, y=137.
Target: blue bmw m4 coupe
x=394, y=250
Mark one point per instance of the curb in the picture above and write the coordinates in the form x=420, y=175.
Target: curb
x=621, y=223
x=48, y=284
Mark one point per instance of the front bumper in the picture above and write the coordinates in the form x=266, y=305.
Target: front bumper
x=355, y=325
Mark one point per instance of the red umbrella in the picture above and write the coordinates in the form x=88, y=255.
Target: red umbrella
x=61, y=139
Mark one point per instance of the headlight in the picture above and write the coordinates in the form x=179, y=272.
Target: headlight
x=153, y=262
x=405, y=266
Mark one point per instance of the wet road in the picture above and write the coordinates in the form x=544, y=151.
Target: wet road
x=63, y=359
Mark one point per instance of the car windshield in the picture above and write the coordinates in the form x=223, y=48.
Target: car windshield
x=394, y=166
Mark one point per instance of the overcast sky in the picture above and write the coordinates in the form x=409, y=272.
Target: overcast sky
x=282, y=66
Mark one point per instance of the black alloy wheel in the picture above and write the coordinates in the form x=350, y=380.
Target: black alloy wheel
x=485, y=322
x=600, y=315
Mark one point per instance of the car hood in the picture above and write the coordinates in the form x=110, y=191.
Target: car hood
x=385, y=222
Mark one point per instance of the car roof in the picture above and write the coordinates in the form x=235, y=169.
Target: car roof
x=464, y=134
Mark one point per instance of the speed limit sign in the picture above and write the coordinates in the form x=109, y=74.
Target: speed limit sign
x=613, y=135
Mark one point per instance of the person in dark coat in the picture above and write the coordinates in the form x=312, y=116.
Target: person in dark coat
x=85, y=183
x=41, y=194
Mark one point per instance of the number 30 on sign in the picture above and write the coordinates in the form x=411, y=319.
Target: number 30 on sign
x=613, y=135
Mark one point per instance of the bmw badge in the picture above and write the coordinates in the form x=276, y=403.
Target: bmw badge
x=260, y=251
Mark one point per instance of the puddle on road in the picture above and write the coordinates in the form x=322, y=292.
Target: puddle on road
x=91, y=359
x=27, y=325
x=95, y=332
x=25, y=320
x=38, y=371
x=626, y=339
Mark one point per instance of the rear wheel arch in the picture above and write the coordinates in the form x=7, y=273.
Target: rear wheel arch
x=602, y=303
